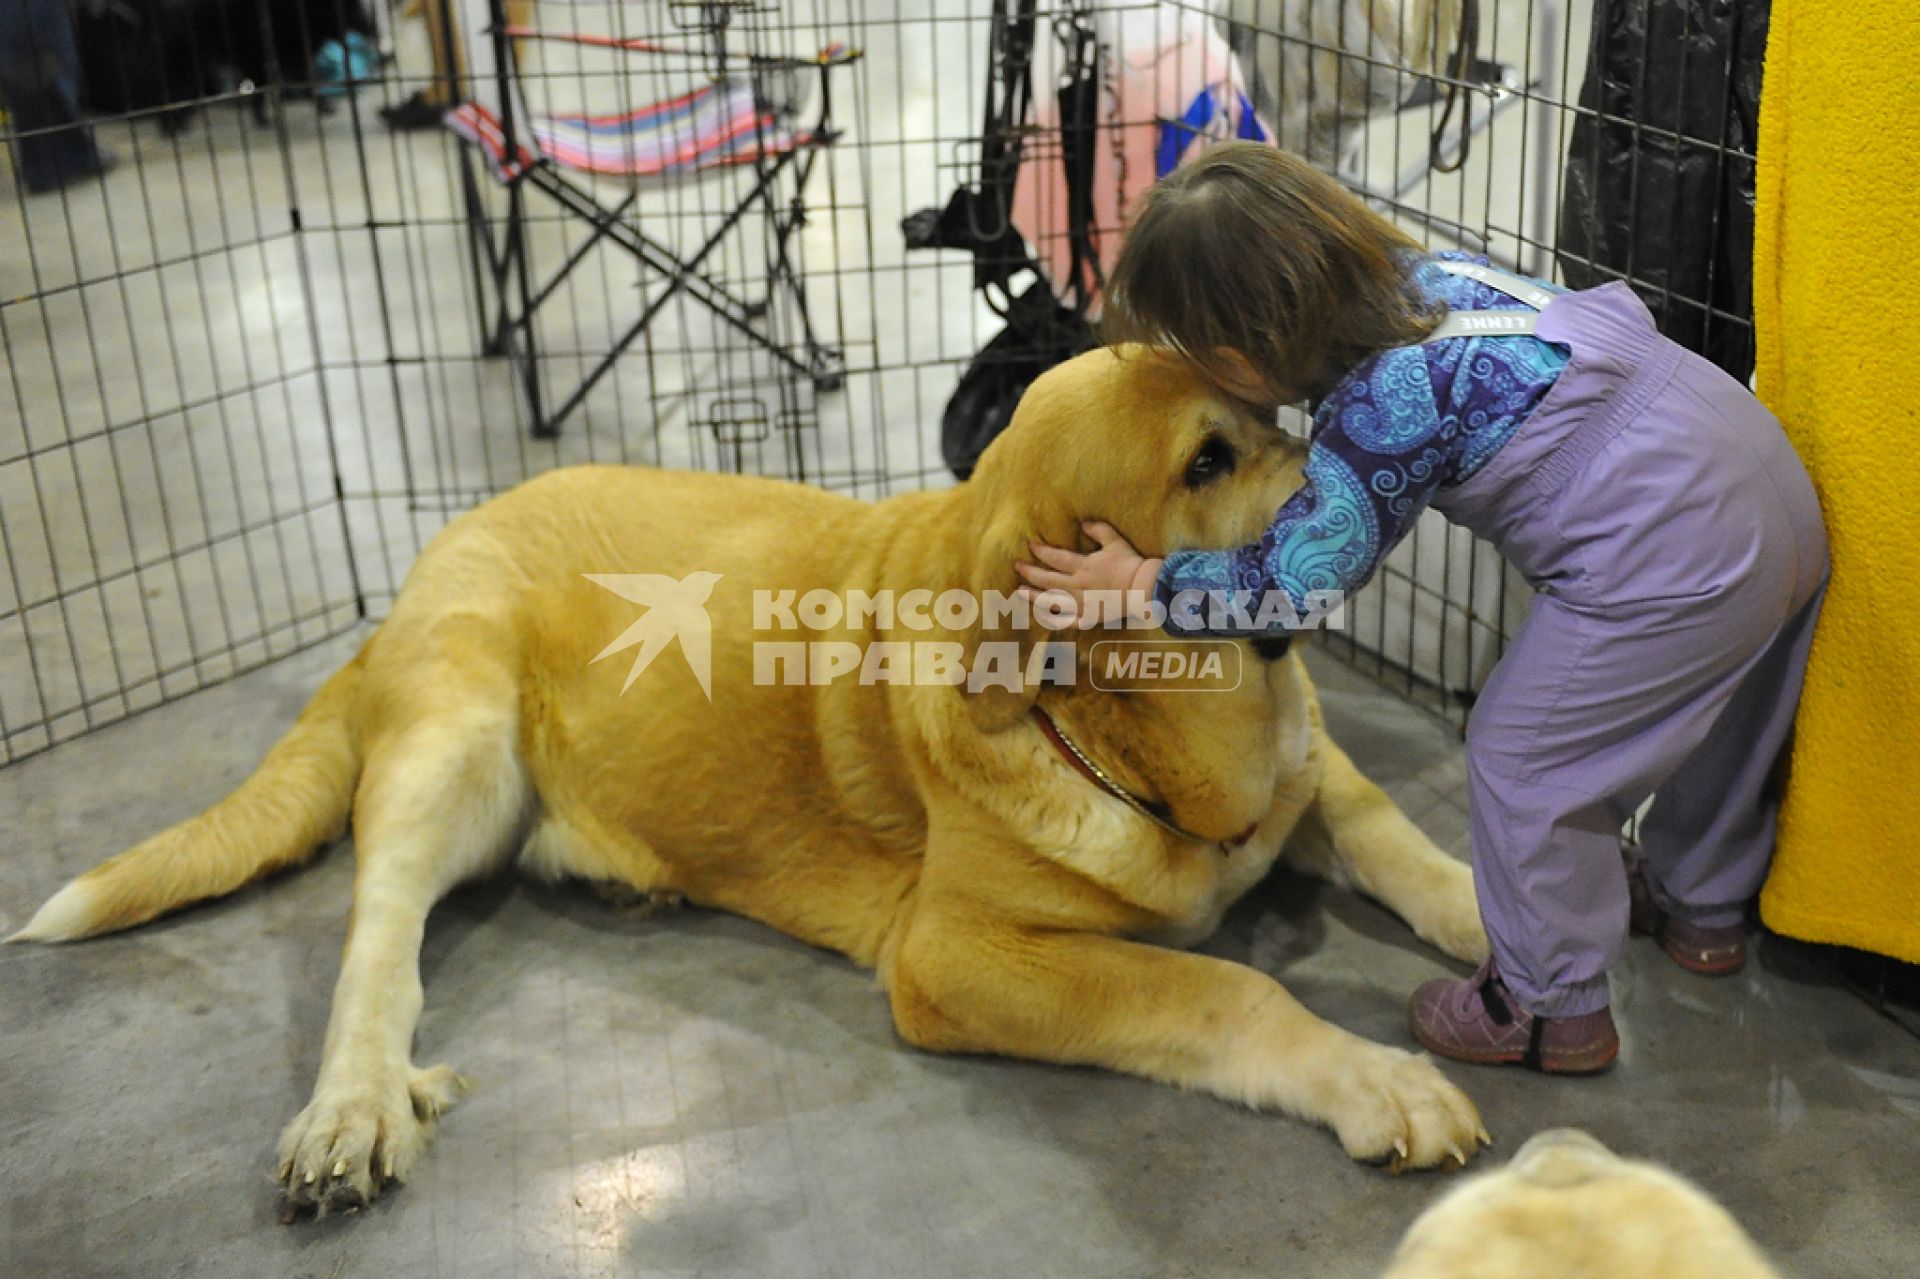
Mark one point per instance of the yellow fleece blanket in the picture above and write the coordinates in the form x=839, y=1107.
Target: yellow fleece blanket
x=1837, y=314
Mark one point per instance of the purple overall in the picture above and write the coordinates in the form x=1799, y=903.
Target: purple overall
x=1679, y=560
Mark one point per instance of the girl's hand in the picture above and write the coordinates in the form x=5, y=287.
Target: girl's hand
x=1111, y=585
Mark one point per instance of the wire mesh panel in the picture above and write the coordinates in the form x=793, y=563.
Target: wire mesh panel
x=253, y=367
x=167, y=494
x=442, y=416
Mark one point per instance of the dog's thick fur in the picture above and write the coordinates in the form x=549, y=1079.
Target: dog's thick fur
x=1569, y=1208
x=931, y=833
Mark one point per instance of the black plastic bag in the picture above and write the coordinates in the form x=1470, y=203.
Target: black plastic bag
x=1659, y=189
x=1040, y=333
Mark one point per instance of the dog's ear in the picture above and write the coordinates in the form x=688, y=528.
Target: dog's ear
x=1007, y=653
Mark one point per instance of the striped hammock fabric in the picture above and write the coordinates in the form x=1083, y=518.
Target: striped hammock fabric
x=716, y=125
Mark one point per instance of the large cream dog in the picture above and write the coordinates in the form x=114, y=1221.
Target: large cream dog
x=1569, y=1208
x=1009, y=903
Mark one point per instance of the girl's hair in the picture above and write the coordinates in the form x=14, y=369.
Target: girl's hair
x=1254, y=251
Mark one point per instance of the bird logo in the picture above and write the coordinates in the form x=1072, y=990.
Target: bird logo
x=674, y=609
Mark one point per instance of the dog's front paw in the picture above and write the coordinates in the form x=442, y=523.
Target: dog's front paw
x=1396, y=1108
x=355, y=1137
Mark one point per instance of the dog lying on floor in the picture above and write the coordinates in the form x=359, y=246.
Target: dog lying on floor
x=1569, y=1208
x=1009, y=859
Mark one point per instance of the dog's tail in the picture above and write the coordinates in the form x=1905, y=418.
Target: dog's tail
x=293, y=805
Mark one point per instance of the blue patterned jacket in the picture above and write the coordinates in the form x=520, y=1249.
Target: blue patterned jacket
x=1403, y=424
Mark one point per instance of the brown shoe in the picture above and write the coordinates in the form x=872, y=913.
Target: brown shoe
x=414, y=112
x=1477, y=1020
x=1711, y=951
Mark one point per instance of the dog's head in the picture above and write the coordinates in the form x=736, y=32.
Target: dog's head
x=1567, y=1206
x=1135, y=437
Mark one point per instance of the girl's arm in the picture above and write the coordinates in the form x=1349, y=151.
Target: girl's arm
x=1380, y=449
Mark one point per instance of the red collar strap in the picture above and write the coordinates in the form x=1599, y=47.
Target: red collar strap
x=1156, y=813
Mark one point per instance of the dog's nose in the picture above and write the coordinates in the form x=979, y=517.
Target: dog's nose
x=1271, y=648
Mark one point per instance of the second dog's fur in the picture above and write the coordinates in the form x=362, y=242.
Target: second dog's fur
x=1569, y=1208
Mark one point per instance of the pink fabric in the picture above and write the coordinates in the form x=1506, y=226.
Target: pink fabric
x=1159, y=67
x=714, y=126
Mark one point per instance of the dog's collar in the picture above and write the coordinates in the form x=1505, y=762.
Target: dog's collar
x=1156, y=813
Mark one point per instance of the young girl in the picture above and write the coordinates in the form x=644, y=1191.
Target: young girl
x=1670, y=533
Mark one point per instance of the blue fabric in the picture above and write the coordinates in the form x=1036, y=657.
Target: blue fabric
x=1250, y=130
x=1177, y=135
x=1401, y=425
x=340, y=66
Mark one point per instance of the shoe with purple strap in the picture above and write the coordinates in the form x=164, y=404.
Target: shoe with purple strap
x=1478, y=1020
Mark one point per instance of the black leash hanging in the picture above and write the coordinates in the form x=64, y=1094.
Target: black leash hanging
x=1460, y=64
x=1079, y=100
x=1009, y=100
x=978, y=217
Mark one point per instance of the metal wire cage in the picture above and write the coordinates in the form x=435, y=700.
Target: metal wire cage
x=248, y=368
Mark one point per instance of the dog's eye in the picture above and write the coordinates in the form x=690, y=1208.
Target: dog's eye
x=1214, y=459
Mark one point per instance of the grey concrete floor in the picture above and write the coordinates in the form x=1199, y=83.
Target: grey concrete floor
x=697, y=1095
x=692, y=1095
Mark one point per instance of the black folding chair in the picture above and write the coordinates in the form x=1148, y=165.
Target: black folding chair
x=747, y=112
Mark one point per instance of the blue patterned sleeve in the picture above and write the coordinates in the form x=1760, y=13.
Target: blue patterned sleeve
x=1380, y=449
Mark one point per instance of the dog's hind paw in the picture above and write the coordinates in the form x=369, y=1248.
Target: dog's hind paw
x=636, y=903
x=354, y=1139
x=1463, y=936
x=1448, y=916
